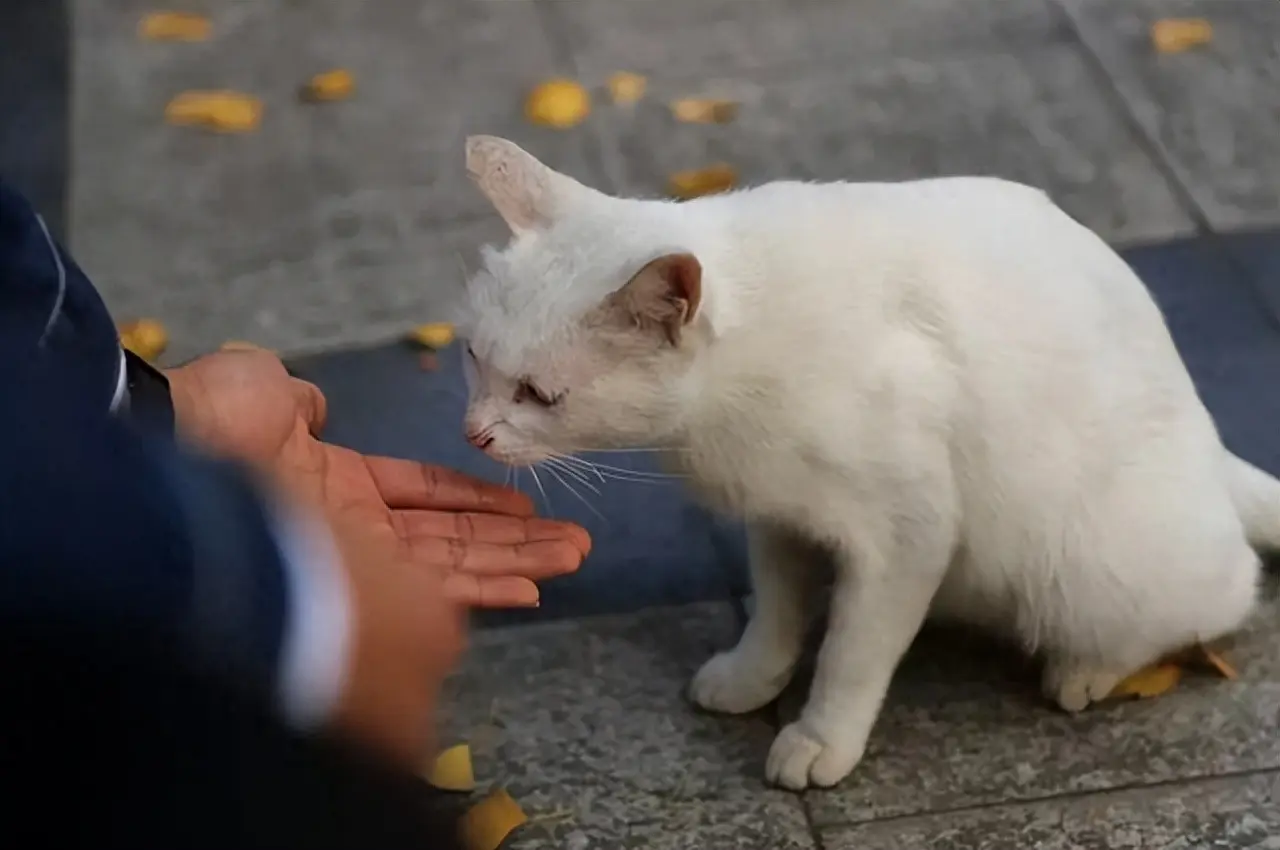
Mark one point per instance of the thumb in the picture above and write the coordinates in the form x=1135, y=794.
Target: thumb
x=312, y=406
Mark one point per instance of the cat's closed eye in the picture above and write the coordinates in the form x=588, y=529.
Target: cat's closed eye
x=526, y=391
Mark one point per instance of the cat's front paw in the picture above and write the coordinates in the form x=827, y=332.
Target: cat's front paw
x=801, y=757
x=730, y=683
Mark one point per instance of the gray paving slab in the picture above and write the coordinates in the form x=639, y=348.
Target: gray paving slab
x=317, y=229
x=711, y=38
x=585, y=723
x=1040, y=116
x=965, y=726
x=1211, y=110
x=1236, y=813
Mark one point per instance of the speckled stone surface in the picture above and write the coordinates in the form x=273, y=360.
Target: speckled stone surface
x=712, y=39
x=1231, y=813
x=342, y=224
x=332, y=223
x=586, y=724
x=965, y=726
x=1039, y=116
x=1210, y=110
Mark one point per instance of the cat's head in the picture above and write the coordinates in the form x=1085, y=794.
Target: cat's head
x=580, y=332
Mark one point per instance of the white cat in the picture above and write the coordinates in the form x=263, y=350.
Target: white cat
x=950, y=386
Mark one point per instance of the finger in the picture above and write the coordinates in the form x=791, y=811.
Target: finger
x=312, y=405
x=535, y=561
x=408, y=484
x=491, y=528
x=491, y=592
x=240, y=345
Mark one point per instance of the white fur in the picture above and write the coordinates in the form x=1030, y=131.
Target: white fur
x=958, y=391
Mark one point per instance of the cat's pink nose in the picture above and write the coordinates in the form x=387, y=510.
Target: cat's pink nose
x=480, y=439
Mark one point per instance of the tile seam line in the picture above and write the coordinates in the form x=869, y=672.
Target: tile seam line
x=1155, y=150
x=1181, y=781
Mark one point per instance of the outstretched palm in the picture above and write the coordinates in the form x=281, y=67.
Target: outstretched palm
x=245, y=403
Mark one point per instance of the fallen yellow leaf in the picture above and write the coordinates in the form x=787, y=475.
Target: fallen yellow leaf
x=435, y=335
x=625, y=87
x=1205, y=658
x=488, y=823
x=146, y=338
x=1174, y=35
x=697, y=182
x=1217, y=662
x=1149, y=682
x=558, y=103
x=331, y=85
x=225, y=111
x=451, y=771
x=174, y=26
x=692, y=110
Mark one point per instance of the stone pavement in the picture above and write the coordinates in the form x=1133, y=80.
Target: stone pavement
x=342, y=225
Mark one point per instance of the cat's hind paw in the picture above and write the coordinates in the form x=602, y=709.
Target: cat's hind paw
x=1075, y=686
x=730, y=684
x=800, y=758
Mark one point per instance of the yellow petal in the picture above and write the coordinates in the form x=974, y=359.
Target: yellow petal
x=452, y=770
x=1149, y=682
x=1174, y=35
x=331, y=85
x=174, y=26
x=557, y=103
x=692, y=110
x=625, y=87
x=490, y=821
x=435, y=335
x=146, y=338
x=225, y=111
x=702, y=181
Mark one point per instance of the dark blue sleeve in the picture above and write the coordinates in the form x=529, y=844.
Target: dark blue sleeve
x=99, y=525
x=49, y=310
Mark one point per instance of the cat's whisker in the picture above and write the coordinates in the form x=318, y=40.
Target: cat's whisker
x=538, y=481
x=557, y=463
x=576, y=494
x=607, y=473
x=583, y=464
x=640, y=449
x=639, y=473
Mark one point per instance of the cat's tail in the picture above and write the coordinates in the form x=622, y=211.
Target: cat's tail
x=1256, y=495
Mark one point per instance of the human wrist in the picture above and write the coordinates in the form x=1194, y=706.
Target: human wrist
x=188, y=400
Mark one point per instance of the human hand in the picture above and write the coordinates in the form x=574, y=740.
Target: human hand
x=406, y=637
x=485, y=538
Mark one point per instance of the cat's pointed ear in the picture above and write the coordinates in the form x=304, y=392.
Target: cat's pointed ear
x=664, y=295
x=527, y=194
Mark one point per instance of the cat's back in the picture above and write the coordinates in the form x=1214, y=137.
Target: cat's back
x=965, y=287
x=972, y=252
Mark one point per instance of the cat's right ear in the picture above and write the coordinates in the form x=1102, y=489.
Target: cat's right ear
x=527, y=194
x=663, y=296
